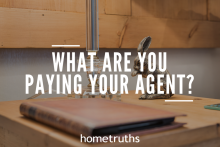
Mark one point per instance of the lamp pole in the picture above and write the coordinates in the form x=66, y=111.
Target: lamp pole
x=92, y=32
x=92, y=26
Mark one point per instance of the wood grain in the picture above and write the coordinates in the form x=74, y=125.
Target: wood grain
x=118, y=7
x=201, y=128
x=213, y=9
x=123, y=24
x=199, y=10
x=174, y=9
x=51, y=5
x=211, y=142
x=170, y=33
x=24, y=28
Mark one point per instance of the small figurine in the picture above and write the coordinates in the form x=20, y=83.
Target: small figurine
x=143, y=47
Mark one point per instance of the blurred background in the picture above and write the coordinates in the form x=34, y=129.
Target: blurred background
x=189, y=31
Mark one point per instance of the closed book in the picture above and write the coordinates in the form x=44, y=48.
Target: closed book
x=94, y=116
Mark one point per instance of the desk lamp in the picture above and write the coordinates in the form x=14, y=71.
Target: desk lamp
x=92, y=45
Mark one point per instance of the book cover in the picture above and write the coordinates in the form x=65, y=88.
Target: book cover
x=82, y=116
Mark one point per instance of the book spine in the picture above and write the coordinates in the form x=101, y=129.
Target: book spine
x=57, y=120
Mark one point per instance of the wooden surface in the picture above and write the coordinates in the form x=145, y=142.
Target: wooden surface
x=214, y=11
x=46, y=28
x=174, y=9
x=51, y=5
x=123, y=24
x=122, y=7
x=201, y=128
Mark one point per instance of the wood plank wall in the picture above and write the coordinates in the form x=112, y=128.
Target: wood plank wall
x=123, y=23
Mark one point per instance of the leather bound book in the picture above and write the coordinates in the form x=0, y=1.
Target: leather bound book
x=97, y=117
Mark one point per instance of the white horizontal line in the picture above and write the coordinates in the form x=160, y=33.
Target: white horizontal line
x=178, y=100
x=65, y=45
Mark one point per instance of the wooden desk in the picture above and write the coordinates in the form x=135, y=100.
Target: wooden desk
x=201, y=128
